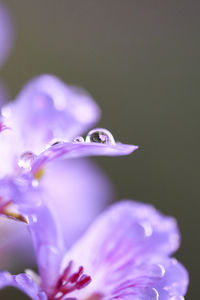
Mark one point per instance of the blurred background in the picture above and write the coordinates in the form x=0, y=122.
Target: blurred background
x=140, y=61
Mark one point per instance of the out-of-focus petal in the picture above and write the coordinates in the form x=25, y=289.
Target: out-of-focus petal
x=16, y=249
x=23, y=282
x=76, y=204
x=6, y=33
x=10, y=150
x=70, y=150
x=79, y=191
x=48, y=245
x=47, y=108
x=122, y=242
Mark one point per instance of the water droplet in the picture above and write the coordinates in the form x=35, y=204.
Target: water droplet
x=78, y=139
x=100, y=135
x=55, y=142
x=32, y=274
x=26, y=159
x=52, y=143
x=23, y=279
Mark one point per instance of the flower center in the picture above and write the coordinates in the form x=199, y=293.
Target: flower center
x=69, y=282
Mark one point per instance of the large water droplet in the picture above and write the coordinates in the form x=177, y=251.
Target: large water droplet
x=78, y=139
x=26, y=159
x=100, y=135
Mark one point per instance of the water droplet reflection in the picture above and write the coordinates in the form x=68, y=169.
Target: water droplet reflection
x=55, y=142
x=100, y=135
x=78, y=139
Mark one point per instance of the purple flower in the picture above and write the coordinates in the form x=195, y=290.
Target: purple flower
x=43, y=124
x=6, y=33
x=125, y=254
x=46, y=117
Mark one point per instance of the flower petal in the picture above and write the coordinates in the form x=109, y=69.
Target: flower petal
x=174, y=282
x=70, y=150
x=74, y=189
x=16, y=249
x=48, y=245
x=23, y=282
x=124, y=243
x=130, y=224
x=59, y=184
x=47, y=108
x=45, y=231
x=9, y=148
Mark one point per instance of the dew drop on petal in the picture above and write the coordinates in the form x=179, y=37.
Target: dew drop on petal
x=26, y=159
x=52, y=143
x=101, y=136
x=33, y=275
x=55, y=142
x=78, y=139
x=23, y=279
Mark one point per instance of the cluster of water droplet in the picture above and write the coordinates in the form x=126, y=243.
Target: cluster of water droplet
x=97, y=135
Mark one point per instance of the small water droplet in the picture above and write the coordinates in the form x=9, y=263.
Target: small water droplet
x=23, y=279
x=78, y=139
x=26, y=159
x=55, y=142
x=100, y=135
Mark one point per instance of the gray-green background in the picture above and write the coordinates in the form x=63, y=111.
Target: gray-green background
x=140, y=61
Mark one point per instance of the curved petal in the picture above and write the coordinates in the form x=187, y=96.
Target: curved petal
x=23, y=282
x=47, y=108
x=70, y=150
x=44, y=229
x=6, y=33
x=128, y=242
x=76, y=199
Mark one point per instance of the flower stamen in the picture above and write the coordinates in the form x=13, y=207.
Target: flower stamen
x=68, y=282
x=5, y=210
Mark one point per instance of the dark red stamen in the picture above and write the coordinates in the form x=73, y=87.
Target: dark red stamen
x=84, y=281
x=69, y=282
x=4, y=210
x=75, y=276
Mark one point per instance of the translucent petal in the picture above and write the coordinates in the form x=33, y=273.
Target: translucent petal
x=125, y=251
x=71, y=150
x=47, y=108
